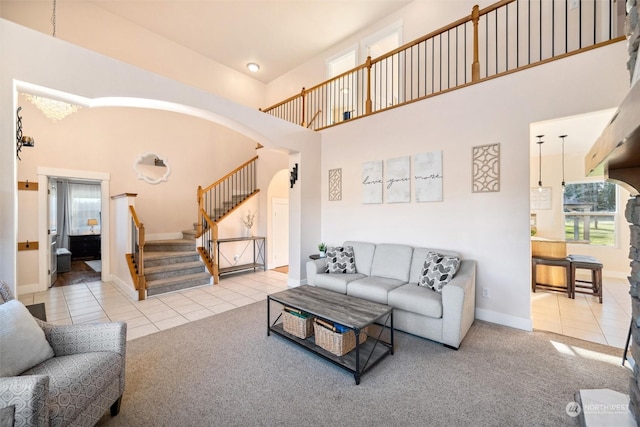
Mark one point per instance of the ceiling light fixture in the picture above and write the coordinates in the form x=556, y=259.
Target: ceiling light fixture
x=253, y=67
x=539, y=142
x=563, y=137
x=54, y=110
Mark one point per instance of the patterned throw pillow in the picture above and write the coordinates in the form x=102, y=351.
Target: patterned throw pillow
x=438, y=270
x=340, y=260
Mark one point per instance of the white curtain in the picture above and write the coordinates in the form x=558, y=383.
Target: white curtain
x=83, y=203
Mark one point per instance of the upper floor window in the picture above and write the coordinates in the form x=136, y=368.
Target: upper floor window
x=590, y=213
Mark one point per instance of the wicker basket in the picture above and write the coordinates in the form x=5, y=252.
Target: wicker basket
x=336, y=342
x=297, y=326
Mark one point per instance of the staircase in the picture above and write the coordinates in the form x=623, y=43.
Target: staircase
x=161, y=266
x=173, y=265
x=216, y=202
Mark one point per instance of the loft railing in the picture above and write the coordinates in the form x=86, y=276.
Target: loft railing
x=219, y=200
x=135, y=259
x=508, y=36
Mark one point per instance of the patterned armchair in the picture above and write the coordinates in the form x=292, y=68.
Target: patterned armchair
x=76, y=386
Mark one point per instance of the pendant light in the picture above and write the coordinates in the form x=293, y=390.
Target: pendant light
x=539, y=142
x=563, y=137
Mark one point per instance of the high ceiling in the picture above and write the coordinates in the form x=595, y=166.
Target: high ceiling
x=277, y=34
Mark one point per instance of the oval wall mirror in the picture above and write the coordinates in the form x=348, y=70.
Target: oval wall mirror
x=152, y=168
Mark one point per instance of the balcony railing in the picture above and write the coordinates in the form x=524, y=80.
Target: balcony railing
x=505, y=37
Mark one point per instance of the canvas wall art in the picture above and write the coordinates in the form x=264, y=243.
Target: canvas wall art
x=428, y=176
x=372, y=182
x=398, y=180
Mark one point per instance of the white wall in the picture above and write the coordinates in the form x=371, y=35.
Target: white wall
x=93, y=27
x=492, y=228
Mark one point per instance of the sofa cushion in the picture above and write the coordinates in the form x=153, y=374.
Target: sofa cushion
x=363, y=252
x=373, y=288
x=392, y=261
x=77, y=380
x=417, y=299
x=22, y=341
x=438, y=270
x=417, y=261
x=340, y=260
x=336, y=282
x=4, y=293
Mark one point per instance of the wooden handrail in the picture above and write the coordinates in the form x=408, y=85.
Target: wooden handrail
x=135, y=259
x=133, y=213
x=245, y=164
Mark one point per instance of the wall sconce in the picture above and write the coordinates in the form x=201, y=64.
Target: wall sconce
x=293, y=175
x=92, y=222
x=563, y=137
x=21, y=140
x=539, y=142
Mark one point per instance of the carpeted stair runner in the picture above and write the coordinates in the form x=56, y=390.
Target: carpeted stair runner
x=173, y=265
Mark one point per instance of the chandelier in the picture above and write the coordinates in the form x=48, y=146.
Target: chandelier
x=54, y=110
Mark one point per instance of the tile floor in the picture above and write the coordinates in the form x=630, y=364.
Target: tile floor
x=104, y=301
x=585, y=317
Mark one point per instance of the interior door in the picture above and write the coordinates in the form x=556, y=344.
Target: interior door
x=52, y=214
x=280, y=235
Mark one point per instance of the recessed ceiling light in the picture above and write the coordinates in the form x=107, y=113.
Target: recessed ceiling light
x=253, y=67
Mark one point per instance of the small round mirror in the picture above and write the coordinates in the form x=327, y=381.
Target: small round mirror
x=152, y=168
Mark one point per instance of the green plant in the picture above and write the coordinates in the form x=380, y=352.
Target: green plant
x=322, y=247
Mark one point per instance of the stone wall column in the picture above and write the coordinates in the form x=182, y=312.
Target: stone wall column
x=632, y=213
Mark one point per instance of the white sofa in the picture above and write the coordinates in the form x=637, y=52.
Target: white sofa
x=389, y=274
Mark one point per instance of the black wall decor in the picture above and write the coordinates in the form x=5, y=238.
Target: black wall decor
x=293, y=175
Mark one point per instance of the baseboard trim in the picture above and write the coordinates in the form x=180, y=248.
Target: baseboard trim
x=125, y=287
x=28, y=289
x=504, y=319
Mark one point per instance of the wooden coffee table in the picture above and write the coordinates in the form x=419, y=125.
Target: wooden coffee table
x=354, y=313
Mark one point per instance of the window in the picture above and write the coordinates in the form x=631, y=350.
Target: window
x=590, y=213
x=84, y=204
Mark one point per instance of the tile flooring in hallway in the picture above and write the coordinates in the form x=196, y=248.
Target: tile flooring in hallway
x=585, y=317
x=104, y=302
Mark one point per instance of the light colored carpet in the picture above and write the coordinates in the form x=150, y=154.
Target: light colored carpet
x=96, y=265
x=225, y=371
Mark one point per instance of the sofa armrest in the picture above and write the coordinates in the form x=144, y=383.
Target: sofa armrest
x=459, y=304
x=28, y=395
x=314, y=267
x=86, y=337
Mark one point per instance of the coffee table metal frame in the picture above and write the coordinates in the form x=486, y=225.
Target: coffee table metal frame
x=342, y=309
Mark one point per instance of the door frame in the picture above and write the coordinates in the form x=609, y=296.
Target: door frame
x=44, y=173
x=277, y=201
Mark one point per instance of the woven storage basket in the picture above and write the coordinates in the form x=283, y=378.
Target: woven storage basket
x=336, y=342
x=301, y=328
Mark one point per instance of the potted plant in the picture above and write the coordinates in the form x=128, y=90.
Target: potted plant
x=323, y=250
x=248, y=223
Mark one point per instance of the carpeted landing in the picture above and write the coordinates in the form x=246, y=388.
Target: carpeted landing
x=225, y=371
